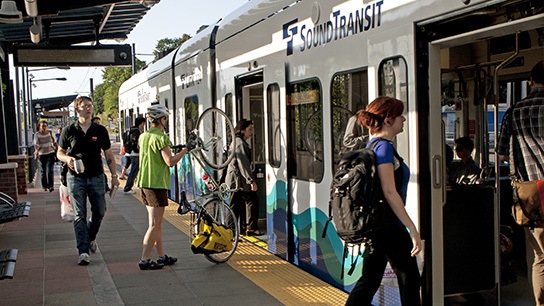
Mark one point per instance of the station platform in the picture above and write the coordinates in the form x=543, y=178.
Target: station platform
x=47, y=273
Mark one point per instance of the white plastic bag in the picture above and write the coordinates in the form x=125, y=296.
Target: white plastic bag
x=66, y=210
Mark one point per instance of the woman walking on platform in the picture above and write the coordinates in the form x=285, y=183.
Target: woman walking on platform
x=397, y=240
x=45, y=150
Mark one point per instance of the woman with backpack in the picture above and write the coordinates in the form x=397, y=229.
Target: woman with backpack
x=396, y=239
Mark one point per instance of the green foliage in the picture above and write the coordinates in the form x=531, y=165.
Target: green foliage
x=98, y=97
x=106, y=95
x=166, y=45
x=113, y=77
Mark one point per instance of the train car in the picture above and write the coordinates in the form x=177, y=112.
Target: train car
x=300, y=69
x=143, y=89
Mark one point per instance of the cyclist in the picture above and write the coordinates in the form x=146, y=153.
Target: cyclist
x=154, y=181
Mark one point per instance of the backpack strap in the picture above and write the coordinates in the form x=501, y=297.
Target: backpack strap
x=328, y=221
x=344, y=256
x=354, y=261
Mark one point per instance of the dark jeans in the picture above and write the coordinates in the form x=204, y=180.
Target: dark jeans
x=134, y=169
x=393, y=245
x=245, y=205
x=47, y=162
x=80, y=189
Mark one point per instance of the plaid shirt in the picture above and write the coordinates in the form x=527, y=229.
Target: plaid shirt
x=524, y=122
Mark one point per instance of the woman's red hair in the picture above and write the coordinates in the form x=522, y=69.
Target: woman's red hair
x=375, y=113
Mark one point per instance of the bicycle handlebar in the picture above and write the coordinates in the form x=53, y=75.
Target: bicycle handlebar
x=175, y=149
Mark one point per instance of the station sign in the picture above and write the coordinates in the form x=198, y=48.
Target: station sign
x=73, y=56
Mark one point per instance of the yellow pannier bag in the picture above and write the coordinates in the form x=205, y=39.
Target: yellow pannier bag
x=211, y=237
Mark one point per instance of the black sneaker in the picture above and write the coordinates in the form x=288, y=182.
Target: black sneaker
x=149, y=265
x=167, y=260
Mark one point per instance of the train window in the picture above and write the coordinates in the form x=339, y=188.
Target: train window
x=393, y=77
x=191, y=114
x=349, y=93
x=305, y=124
x=274, y=135
x=256, y=106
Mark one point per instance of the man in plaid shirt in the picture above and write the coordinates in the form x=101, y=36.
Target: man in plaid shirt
x=524, y=124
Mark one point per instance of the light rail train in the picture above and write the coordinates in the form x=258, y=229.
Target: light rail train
x=299, y=69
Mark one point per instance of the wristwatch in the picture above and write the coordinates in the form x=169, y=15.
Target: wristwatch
x=114, y=176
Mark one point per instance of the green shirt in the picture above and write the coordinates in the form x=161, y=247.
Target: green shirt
x=154, y=172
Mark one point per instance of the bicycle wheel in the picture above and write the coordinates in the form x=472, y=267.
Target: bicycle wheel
x=216, y=133
x=223, y=214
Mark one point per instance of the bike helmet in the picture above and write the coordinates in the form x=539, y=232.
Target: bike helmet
x=157, y=111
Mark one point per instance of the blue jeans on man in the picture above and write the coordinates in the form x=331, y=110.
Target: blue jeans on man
x=95, y=189
x=134, y=168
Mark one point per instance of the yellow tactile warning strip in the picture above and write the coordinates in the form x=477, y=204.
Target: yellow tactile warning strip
x=256, y=241
x=284, y=281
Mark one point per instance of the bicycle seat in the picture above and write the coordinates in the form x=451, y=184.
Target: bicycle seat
x=184, y=206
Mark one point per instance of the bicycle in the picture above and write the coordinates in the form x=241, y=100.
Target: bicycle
x=209, y=148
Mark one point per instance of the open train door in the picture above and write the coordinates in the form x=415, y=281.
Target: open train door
x=461, y=255
x=278, y=208
x=462, y=221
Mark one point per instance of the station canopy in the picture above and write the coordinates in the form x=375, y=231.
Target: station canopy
x=61, y=25
x=68, y=22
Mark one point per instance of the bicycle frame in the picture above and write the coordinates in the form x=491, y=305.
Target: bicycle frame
x=219, y=191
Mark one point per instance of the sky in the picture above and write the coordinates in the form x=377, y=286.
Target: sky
x=168, y=18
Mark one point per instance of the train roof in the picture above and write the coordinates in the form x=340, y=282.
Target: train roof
x=248, y=15
x=197, y=44
x=148, y=72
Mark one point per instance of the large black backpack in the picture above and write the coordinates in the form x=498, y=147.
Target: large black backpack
x=355, y=200
x=130, y=139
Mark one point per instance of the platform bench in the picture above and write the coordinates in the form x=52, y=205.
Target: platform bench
x=7, y=263
x=11, y=210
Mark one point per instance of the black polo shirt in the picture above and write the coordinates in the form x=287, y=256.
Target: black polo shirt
x=86, y=146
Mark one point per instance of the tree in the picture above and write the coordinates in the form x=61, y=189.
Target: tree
x=98, y=98
x=166, y=45
x=106, y=94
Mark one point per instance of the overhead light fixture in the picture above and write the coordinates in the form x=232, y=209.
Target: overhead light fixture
x=35, y=33
x=9, y=12
x=148, y=3
x=31, y=7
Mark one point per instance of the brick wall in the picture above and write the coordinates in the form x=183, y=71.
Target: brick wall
x=22, y=168
x=8, y=180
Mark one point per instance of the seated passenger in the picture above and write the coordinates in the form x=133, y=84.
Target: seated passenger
x=464, y=171
x=354, y=138
x=449, y=158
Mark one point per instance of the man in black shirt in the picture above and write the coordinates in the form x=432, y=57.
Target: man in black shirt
x=86, y=141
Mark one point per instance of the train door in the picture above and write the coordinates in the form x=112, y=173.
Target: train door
x=458, y=217
x=278, y=208
x=251, y=106
x=462, y=216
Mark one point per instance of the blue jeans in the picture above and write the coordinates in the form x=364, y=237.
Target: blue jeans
x=134, y=168
x=95, y=189
x=47, y=162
